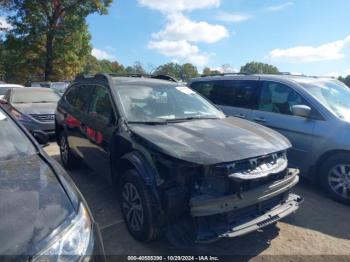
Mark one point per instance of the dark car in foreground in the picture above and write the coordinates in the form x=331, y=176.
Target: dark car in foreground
x=33, y=107
x=43, y=216
x=174, y=155
x=312, y=112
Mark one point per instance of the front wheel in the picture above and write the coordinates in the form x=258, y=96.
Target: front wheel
x=138, y=208
x=335, y=177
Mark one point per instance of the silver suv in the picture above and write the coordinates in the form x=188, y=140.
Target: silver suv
x=313, y=113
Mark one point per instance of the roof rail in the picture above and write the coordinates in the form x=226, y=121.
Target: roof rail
x=83, y=76
x=223, y=74
x=102, y=75
x=291, y=74
x=160, y=76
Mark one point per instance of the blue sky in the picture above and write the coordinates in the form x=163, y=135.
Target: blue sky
x=303, y=36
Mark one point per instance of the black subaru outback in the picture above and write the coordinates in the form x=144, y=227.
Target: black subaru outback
x=174, y=155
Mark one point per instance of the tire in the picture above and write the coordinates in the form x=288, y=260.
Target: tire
x=335, y=177
x=69, y=161
x=138, y=207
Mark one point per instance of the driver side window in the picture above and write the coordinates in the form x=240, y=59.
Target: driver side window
x=279, y=98
x=101, y=105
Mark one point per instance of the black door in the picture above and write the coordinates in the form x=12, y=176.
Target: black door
x=75, y=109
x=100, y=126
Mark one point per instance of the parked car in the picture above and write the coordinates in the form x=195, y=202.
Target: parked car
x=43, y=215
x=174, y=155
x=33, y=107
x=5, y=87
x=58, y=87
x=313, y=113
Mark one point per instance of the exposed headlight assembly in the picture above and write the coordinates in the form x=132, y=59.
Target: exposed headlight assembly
x=72, y=242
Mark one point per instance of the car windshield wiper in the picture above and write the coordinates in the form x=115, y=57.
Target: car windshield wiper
x=191, y=118
x=148, y=122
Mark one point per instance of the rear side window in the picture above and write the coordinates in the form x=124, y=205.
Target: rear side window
x=79, y=97
x=72, y=95
x=240, y=93
x=101, y=105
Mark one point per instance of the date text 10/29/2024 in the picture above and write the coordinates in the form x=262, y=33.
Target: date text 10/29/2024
x=173, y=258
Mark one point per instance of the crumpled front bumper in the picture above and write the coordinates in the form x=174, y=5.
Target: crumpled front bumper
x=278, y=212
x=232, y=216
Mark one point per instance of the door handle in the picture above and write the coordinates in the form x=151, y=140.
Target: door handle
x=240, y=115
x=83, y=127
x=260, y=119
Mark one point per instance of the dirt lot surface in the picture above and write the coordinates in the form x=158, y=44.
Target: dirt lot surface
x=320, y=230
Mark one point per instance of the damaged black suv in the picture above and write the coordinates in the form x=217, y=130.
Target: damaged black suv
x=174, y=155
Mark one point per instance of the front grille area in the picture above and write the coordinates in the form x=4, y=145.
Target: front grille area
x=218, y=181
x=43, y=117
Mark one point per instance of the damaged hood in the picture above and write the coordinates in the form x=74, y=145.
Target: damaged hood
x=32, y=204
x=212, y=141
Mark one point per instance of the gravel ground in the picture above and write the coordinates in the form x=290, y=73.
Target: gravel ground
x=320, y=230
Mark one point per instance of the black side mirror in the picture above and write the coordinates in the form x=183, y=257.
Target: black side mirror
x=41, y=137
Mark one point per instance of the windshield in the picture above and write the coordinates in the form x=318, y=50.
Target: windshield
x=3, y=90
x=59, y=87
x=13, y=143
x=332, y=94
x=30, y=95
x=164, y=103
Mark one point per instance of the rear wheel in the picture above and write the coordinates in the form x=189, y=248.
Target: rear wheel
x=69, y=161
x=335, y=177
x=138, y=208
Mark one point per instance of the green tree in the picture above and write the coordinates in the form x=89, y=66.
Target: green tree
x=47, y=24
x=183, y=72
x=258, y=68
x=345, y=80
x=170, y=69
x=207, y=71
x=137, y=68
x=92, y=66
x=188, y=71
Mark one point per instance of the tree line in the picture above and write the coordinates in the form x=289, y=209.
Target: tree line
x=48, y=40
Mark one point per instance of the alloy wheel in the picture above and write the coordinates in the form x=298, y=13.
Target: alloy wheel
x=132, y=206
x=339, y=180
x=64, y=149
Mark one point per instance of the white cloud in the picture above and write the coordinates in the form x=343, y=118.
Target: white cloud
x=280, y=7
x=180, y=34
x=180, y=50
x=180, y=27
x=302, y=54
x=101, y=54
x=347, y=72
x=232, y=17
x=4, y=25
x=333, y=74
x=198, y=59
x=178, y=5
